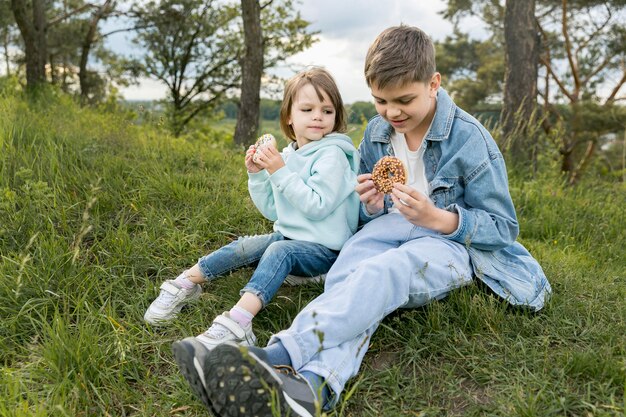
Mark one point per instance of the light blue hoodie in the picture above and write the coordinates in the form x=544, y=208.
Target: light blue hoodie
x=312, y=197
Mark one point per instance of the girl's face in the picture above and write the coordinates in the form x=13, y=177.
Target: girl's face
x=310, y=118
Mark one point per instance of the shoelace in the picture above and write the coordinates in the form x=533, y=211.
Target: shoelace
x=166, y=298
x=216, y=331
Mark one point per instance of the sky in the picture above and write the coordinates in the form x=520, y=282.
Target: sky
x=346, y=30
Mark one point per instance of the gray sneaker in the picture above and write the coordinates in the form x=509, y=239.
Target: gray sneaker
x=170, y=301
x=191, y=356
x=232, y=381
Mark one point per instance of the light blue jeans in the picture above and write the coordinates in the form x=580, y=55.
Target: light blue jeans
x=387, y=265
x=275, y=257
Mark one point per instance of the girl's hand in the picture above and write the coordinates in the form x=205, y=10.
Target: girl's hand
x=419, y=210
x=374, y=201
x=251, y=166
x=269, y=158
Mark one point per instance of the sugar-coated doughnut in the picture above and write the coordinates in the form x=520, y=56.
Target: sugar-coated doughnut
x=386, y=172
x=262, y=142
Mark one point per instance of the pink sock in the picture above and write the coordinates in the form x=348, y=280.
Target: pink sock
x=184, y=282
x=241, y=316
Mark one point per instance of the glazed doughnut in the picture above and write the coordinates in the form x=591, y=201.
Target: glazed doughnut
x=262, y=142
x=388, y=170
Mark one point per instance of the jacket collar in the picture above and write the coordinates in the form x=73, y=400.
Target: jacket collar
x=439, y=130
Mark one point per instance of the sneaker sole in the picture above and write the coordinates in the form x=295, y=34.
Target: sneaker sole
x=191, y=358
x=242, y=385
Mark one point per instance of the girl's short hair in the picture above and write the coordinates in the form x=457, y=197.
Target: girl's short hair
x=400, y=55
x=322, y=81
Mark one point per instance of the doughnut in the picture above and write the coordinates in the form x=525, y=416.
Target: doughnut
x=388, y=170
x=262, y=142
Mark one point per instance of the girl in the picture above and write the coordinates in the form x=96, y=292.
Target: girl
x=307, y=190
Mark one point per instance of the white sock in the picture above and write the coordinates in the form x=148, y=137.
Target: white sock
x=184, y=282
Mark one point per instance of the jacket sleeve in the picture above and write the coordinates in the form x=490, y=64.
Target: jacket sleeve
x=260, y=190
x=331, y=182
x=487, y=221
x=365, y=167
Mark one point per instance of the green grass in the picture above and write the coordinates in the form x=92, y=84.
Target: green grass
x=95, y=212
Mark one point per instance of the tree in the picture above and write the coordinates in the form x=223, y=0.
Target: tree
x=472, y=70
x=581, y=65
x=281, y=33
x=7, y=28
x=89, y=38
x=61, y=34
x=33, y=31
x=251, y=72
x=584, y=50
x=196, y=47
x=520, y=77
x=192, y=47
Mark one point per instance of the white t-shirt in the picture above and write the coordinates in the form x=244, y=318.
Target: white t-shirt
x=414, y=161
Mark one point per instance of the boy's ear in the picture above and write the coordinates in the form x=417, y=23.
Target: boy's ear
x=435, y=83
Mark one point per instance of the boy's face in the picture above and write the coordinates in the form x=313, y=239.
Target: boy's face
x=409, y=108
x=311, y=119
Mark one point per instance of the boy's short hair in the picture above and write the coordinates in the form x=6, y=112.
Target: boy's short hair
x=321, y=80
x=400, y=55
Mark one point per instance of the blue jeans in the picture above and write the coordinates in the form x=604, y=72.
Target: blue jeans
x=275, y=257
x=389, y=264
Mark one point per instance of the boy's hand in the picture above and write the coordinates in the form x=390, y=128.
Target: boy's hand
x=269, y=158
x=374, y=201
x=251, y=166
x=419, y=210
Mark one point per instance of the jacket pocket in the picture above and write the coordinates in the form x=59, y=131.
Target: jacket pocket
x=443, y=191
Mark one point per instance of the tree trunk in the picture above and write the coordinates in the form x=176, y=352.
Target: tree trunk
x=251, y=72
x=520, y=83
x=33, y=33
x=88, y=41
x=7, y=57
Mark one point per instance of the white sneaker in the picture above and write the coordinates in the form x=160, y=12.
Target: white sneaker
x=294, y=280
x=225, y=329
x=169, y=302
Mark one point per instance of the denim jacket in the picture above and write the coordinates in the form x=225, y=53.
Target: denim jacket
x=467, y=175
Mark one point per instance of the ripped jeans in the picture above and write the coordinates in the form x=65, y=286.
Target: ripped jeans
x=275, y=257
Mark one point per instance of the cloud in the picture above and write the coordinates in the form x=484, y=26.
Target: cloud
x=367, y=18
x=346, y=28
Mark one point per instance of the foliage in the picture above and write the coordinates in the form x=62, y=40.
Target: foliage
x=8, y=34
x=270, y=110
x=360, y=111
x=194, y=47
x=97, y=212
x=472, y=70
x=67, y=39
x=583, y=48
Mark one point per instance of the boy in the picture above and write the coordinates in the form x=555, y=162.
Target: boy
x=453, y=220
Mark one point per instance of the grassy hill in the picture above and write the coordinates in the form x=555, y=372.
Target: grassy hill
x=95, y=212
